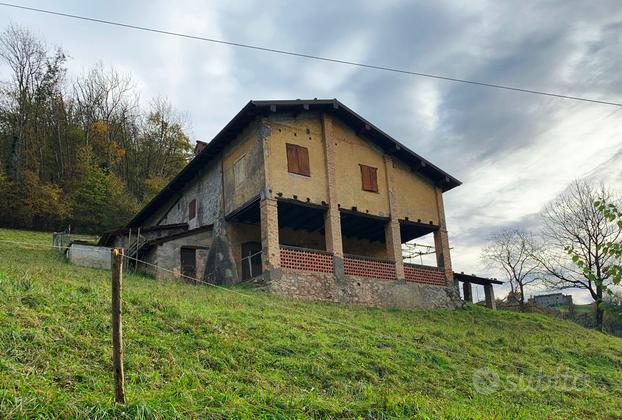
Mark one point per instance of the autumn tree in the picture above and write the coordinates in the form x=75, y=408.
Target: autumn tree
x=84, y=153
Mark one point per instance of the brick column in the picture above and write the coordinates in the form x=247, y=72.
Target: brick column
x=441, y=243
x=271, y=255
x=332, y=219
x=392, y=235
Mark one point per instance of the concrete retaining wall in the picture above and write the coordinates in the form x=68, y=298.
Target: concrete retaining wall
x=89, y=256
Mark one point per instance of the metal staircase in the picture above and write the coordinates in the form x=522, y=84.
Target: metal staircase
x=136, y=242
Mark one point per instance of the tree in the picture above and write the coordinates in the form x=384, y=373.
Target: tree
x=88, y=155
x=99, y=199
x=573, y=222
x=513, y=251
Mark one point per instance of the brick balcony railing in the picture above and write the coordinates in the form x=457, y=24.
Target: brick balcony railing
x=424, y=274
x=369, y=267
x=306, y=259
x=355, y=265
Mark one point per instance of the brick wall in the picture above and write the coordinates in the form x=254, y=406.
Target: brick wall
x=306, y=259
x=423, y=274
x=369, y=267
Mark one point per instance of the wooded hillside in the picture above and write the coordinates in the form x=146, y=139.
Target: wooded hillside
x=78, y=150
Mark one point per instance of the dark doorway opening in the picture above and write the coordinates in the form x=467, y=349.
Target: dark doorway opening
x=189, y=263
x=251, y=260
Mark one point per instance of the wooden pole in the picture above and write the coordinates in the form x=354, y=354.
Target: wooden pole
x=117, y=333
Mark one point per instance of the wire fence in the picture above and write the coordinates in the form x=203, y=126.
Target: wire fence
x=401, y=340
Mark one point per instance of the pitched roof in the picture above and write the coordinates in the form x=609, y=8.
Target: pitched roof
x=254, y=109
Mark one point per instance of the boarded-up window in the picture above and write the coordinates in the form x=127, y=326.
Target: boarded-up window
x=239, y=170
x=192, y=209
x=369, y=178
x=298, y=159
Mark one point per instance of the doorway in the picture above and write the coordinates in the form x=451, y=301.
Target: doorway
x=251, y=260
x=189, y=263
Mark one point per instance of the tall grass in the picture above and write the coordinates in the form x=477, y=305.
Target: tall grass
x=195, y=351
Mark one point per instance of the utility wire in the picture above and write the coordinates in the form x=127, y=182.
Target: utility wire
x=312, y=57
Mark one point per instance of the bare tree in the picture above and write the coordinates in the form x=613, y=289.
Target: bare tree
x=26, y=57
x=513, y=251
x=572, y=221
x=103, y=95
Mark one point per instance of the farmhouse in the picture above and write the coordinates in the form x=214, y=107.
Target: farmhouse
x=306, y=199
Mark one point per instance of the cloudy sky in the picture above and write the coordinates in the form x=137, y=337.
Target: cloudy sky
x=512, y=151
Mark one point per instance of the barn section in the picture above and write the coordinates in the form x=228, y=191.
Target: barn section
x=184, y=230
x=311, y=198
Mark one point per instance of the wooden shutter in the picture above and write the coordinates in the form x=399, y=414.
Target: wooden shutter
x=303, y=161
x=298, y=159
x=369, y=178
x=192, y=209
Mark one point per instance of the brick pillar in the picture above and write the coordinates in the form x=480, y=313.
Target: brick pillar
x=271, y=255
x=441, y=243
x=467, y=292
x=392, y=235
x=332, y=219
x=490, y=296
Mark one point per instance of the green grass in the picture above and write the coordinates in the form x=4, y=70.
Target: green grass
x=195, y=351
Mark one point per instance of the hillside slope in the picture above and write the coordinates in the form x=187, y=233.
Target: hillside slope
x=199, y=351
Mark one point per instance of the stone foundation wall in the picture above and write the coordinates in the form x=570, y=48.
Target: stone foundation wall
x=359, y=290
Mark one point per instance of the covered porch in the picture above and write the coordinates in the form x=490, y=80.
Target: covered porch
x=300, y=235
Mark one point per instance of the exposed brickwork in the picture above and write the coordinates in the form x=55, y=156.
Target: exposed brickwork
x=441, y=242
x=368, y=267
x=332, y=223
x=392, y=230
x=307, y=260
x=426, y=275
x=270, y=233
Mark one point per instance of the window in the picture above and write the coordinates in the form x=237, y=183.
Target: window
x=369, y=178
x=239, y=170
x=298, y=159
x=192, y=209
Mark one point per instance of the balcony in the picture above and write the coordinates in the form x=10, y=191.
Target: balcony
x=424, y=274
x=306, y=259
x=356, y=265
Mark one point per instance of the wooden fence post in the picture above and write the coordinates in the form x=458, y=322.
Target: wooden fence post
x=117, y=333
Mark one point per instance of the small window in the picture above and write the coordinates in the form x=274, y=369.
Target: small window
x=369, y=178
x=239, y=170
x=298, y=160
x=192, y=209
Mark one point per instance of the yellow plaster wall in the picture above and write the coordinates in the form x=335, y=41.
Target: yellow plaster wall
x=415, y=196
x=306, y=131
x=246, y=144
x=351, y=151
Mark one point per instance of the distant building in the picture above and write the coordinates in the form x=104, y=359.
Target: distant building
x=552, y=299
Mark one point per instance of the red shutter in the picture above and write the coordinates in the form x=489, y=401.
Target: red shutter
x=192, y=209
x=297, y=159
x=292, y=159
x=373, y=179
x=369, y=178
x=303, y=161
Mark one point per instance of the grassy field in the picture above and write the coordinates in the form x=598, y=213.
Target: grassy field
x=195, y=351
